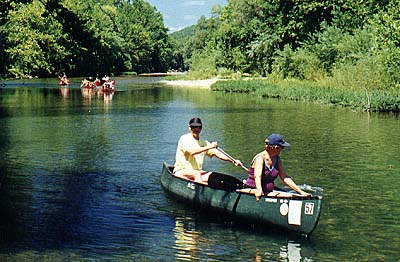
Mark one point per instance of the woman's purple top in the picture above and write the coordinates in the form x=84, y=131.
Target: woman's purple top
x=268, y=176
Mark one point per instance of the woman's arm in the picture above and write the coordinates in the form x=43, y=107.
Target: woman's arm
x=290, y=183
x=287, y=180
x=258, y=169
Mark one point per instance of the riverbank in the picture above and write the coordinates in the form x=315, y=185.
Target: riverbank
x=206, y=84
x=375, y=100
x=359, y=99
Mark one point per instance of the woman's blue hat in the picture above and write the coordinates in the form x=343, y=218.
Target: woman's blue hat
x=277, y=140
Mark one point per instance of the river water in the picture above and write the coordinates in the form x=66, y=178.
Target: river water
x=80, y=175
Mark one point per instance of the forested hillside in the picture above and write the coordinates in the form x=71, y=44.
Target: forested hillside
x=43, y=37
x=181, y=41
x=355, y=44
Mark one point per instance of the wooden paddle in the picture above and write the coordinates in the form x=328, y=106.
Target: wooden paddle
x=231, y=158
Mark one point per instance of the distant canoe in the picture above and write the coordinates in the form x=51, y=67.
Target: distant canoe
x=108, y=86
x=64, y=82
x=226, y=194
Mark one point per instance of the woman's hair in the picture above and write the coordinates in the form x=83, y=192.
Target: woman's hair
x=270, y=146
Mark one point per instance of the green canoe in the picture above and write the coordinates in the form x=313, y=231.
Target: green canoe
x=226, y=194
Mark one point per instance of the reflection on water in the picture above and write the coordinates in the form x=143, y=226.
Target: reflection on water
x=108, y=96
x=89, y=93
x=192, y=244
x=64, y=91
x=291, y=253
x=187, y=240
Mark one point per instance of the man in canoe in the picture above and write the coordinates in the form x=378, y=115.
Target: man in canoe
x=191, y=151
x=267, y=166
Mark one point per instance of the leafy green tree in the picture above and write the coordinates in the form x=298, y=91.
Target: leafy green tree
x=160, y=47
x=257, y=29
x=93, y=29
x=386, y=30
x=5, y=7
x=251, y=32
x=124, y=35
x=33, y=41
x=41, y=37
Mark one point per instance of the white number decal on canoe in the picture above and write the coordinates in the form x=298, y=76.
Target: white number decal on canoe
x=190, y=185
x=309, y=209
x=294, y=216
x=284, y=209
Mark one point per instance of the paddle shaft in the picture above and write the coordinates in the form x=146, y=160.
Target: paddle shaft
x=231, y=158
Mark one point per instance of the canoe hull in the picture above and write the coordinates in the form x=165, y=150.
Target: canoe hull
x=198, y=194
x=294, y=214
x=300, y=215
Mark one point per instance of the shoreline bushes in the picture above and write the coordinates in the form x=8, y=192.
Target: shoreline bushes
x=357, y=99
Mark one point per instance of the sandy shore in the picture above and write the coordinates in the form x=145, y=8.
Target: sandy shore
x=191, y=83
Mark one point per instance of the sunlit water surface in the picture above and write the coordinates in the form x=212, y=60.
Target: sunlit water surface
x=80, y=175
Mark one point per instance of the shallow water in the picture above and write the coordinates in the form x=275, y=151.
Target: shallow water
x=80, y=175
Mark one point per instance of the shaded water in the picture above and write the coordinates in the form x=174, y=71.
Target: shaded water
x=80, y=175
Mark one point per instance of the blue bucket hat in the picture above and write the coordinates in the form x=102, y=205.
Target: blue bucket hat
x=276, y=140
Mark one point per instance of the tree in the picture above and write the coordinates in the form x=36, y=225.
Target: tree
x=33, y=41
x=5, y=7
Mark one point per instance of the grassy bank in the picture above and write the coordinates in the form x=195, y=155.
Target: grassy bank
x=367, y=100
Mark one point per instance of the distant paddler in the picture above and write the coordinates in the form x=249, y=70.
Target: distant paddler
x=63, y=80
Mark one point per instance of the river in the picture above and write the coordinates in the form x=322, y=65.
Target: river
x=80, y=175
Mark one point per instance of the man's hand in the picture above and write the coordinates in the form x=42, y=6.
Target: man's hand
x=237, y=162
x=213, y=145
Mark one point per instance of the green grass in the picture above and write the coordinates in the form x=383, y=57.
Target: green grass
x=359, y=99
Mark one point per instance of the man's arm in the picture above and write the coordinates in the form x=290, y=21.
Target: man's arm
x=224, y=157
x=197, y=150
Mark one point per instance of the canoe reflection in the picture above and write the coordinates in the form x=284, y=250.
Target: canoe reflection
x=108, y=96
x=291, y=252
x=186, y=240
x=89, y=93
x=64, y=91
x=194, y=242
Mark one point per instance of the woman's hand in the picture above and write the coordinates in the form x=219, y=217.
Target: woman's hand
x=258, y=194
x=304, y=193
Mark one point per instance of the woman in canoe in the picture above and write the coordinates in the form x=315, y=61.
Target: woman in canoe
x=267, y=166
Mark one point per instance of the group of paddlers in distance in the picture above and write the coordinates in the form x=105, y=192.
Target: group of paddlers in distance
x=104, y=87
x=104, y=84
